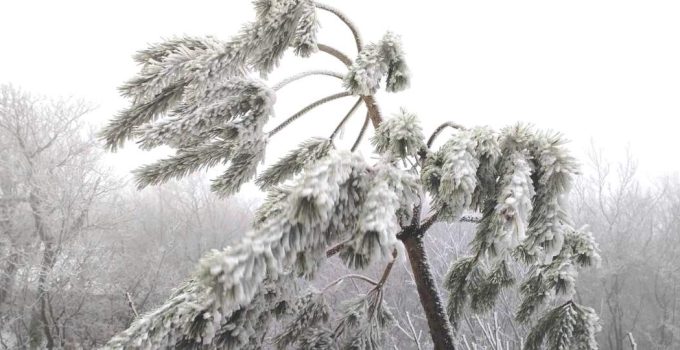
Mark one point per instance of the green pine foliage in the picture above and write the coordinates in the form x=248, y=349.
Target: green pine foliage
x=388, y=195
x=363, y=322
x=527, y=222
x=313, y=311
x=304, y=41
x=308, y=152
x=400, y=136
x=568, y=326
x=451, y=175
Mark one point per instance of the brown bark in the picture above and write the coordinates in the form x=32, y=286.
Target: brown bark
x=440, y=328
x=373, y=110
x=412, y=237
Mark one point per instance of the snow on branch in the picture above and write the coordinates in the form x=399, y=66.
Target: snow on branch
x=240, y=100
x=305, y=41
x=400, y=136
x=390, y=195
x=449, y=174
x=197, y=95
x=173, y=71
x=307, y=153
x=569, y=326
x=525, y=179
x=375, y=61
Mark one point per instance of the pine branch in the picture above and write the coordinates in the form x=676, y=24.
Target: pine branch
x=449, y=174
x=441, y=128
x=306, y=109
x=314, y=311
x=120, y=129
x=335, y=249
x=375, y=61
x=346, y=118
x=350, y=276
x=238, y=102
x=243, y=167
x=400, y=136
x=186, y=161
x=388, y=269
x=336, y=53
x=363, y=322
x=305, y=38
x=470, y=218
x=160, y=51
x=361, y=133
x=308, y=152
x=428, y=222
x=302, y=75
x=371, y=104
x=346, y=20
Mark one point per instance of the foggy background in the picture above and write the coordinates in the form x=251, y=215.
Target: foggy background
x=594, y=70
x=604, y=73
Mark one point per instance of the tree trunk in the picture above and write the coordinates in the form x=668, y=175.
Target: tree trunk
x=8, y=273
x=40, y=311
x=440, y=328
x=9, y=269
x=43, y=293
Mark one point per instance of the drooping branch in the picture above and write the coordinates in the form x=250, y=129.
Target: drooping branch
x=388, y=269
x=346, y=118
x=308, y=108
x=346, y=20
x=369, y=100
x=441, y=128
x=361, y=133
x=335, y=53
x=351, y=276
x=301, y=75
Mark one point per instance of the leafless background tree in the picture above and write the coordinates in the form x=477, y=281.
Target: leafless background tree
x=78, y=247
x=82, y=252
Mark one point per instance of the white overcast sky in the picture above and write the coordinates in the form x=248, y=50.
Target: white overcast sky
x=607, y=71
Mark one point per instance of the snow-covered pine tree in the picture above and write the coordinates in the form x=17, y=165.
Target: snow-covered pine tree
x=202, y=97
